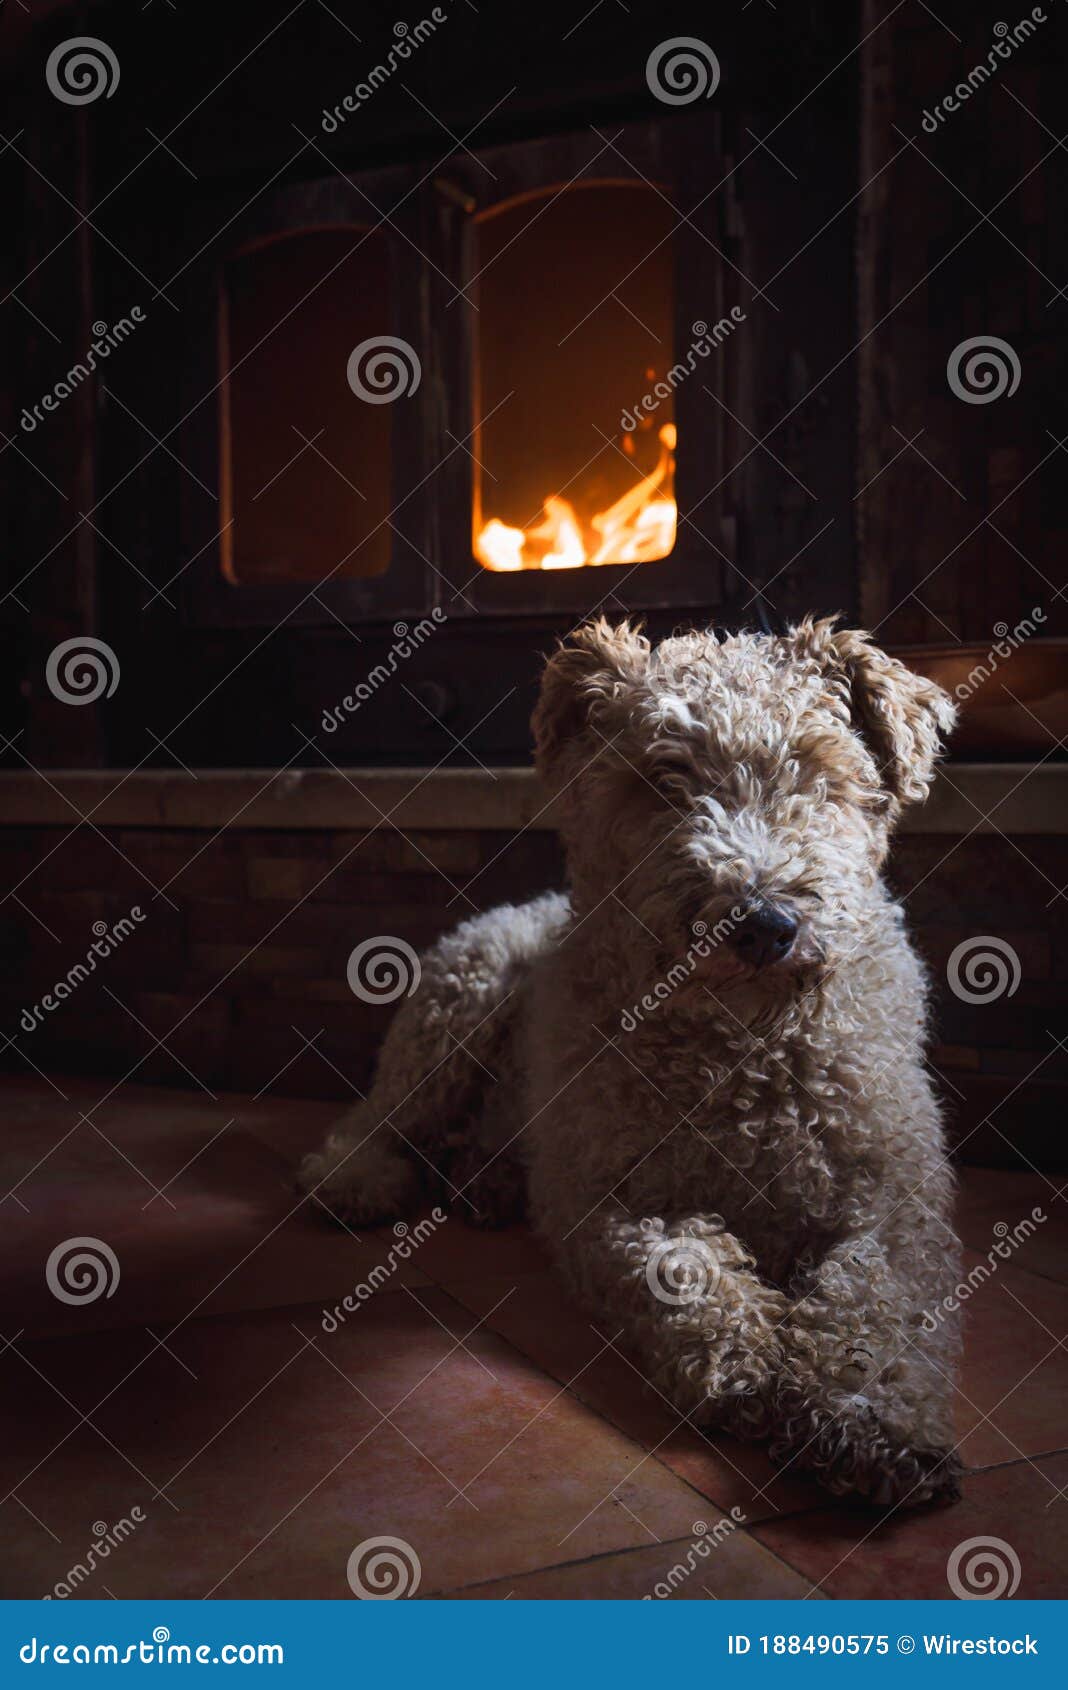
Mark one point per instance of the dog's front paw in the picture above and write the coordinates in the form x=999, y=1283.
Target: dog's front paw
x=914, y=1478
x=719, y=1389
x=852, y=1454
x=366, y=1184
x=333, y=1197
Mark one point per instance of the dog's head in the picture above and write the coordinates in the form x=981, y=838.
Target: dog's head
x=734, y=796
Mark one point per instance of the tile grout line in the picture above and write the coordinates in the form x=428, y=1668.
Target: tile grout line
x=648, y=1454
x=818, y=1588
x=819, y=1505
x=587, y=1561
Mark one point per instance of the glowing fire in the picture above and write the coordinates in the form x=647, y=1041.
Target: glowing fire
x=638, y=528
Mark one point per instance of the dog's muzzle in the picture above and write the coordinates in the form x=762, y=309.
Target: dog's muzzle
x=765, y=935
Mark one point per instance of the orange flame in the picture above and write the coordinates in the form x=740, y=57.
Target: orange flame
x=638, y=528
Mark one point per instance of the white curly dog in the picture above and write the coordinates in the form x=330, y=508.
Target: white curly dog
x=701, y=1069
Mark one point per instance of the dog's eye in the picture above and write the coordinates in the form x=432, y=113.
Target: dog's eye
x=673, y=787
x=646, y=786
x=805, y=895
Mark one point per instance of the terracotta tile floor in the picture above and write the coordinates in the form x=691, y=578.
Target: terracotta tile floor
x=464, y=1407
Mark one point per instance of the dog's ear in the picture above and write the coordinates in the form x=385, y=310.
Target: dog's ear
x=591, y=667
x=901, y=716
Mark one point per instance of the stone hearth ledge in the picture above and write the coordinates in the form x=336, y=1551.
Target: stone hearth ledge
x=981, y=797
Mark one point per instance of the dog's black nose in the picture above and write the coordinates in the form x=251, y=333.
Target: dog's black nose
x=765, y=935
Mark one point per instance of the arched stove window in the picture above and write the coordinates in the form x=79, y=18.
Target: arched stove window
x=304, y=468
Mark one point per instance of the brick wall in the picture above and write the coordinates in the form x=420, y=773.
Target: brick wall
x=243, y=945
x=243, y=948
x=998, y=1064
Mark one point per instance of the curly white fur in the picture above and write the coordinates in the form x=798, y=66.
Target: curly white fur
x=768, y=1139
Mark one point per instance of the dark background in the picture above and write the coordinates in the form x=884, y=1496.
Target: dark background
x=833, y=469
x=862, y=249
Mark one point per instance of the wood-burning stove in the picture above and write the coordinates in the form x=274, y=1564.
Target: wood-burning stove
x=433, y=377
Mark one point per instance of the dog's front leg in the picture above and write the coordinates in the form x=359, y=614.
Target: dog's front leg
x=682, y=1295
x=865, y=1396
